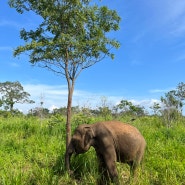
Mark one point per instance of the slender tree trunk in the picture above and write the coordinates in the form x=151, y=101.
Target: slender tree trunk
x=11, y=107
x=68, y=122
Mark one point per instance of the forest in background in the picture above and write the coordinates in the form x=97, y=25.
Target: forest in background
x=169, y=107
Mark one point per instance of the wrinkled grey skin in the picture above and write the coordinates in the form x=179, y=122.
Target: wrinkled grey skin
x=113, y=141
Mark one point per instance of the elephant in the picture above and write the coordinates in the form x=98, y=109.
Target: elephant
x=113, y=142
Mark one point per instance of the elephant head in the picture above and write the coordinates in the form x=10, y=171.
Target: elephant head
x=81, y=141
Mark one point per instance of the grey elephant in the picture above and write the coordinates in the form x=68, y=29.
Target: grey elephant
x=113, y=141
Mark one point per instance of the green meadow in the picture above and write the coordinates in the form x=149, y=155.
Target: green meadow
x=32, y=153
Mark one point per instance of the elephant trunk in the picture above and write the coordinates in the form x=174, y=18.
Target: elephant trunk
x=68, y=154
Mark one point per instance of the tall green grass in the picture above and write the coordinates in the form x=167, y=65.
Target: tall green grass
x=32, y=153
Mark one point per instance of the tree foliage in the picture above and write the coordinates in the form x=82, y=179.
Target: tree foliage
x=13, y=92
x=171, y=101
x=127, y=107
x=71, y=38
x=172, y=104
x=156, y=108
x=180, y=94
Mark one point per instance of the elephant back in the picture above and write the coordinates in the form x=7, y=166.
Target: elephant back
x=128, y=141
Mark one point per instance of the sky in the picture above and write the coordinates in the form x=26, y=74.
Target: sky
x=149, y=63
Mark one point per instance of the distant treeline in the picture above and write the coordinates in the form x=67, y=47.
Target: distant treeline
x=170, y=106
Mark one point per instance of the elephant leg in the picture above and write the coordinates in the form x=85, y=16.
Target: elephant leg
x=133, y=170
x=110, y=160
x=135, y=163
x=102, y=168
x=132, y=167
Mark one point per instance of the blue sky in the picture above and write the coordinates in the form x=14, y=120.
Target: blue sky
x=150, y=61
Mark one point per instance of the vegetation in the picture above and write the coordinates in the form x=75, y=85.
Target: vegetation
x=32, y=152
x=32, y=147
x=71, y=38
x=13, y=92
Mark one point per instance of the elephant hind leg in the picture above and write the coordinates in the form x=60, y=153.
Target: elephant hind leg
x=135, y=162
x=133, y=166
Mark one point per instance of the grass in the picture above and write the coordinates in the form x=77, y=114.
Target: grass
x=32, y=153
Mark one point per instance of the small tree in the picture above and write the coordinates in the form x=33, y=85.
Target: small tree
x=71, y=38
x=37, y=111
x=127, y=107
x=171, y=107
x=171, y=101
x=156, y=108
x=104, y=109
x=180, y=94
x=12, y=93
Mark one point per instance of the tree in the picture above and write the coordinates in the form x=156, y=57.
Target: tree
x=171, y=101
x=171, y=107
x=137, y=110
x=13, y=92
x=180, y=94
x=71, y=38
x=156, y=108
x=126, y=107
x=104, y=109
x=39, y=111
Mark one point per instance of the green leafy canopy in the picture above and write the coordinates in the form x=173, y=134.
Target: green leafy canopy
x=72, y=34
x=13, y=92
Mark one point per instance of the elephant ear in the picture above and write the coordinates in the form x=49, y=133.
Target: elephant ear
x=88, y=138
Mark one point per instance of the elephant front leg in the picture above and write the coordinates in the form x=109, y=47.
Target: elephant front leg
x=102, y=168
x=110, y=161
x=107, y=168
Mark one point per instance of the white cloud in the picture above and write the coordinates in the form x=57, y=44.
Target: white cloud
x=170, y=15
x=162, y=91
x=51, y=96
x=6, y=48
x=53, y=107
x=165, y=17
x=181, y=58
x=55, y=96
x=157, y=90
x=14, y=64
x=145, y=102
x=174, y=9
x=46, y=92
x=29, y=21
x=10, y=23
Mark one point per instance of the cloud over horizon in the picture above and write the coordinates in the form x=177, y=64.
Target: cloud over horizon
x=55, y=96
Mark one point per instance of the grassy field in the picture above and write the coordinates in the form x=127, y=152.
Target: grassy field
x=32, y=153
